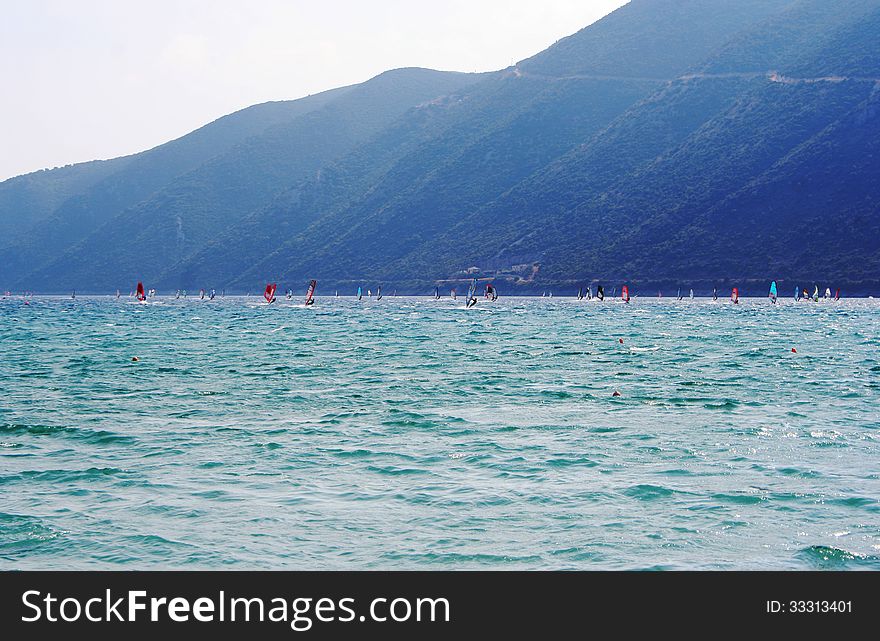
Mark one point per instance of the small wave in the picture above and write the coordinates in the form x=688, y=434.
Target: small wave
x=825, y=557
x=647, y=492
x=63, y=476
x=97, y=437
x=738, y=499
x=727, y=404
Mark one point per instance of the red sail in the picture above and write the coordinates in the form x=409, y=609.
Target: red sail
x=140, y=291
x=734, y=295
x=624, y=293
x=311, y=292
x=269, y=294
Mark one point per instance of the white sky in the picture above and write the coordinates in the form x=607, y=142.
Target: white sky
x=87, y=79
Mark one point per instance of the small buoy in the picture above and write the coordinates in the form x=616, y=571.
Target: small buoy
x=616, y=393
x=134, y=359
x=621, y=340
x=794, y=350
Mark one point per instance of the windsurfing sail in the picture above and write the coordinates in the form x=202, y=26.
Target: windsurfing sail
x=436, y=293
x=472, y=294
x=360, y=293
x=453, y=293
x=816, y=293
x=691, y=295
x=310, y=293
x=589, y=293
x=624, y=293
x=600, y=292
x=827, y=293
x=773, y=293
x=580, y=293
x=269, y=294
x=797, y=293
x=734, y=295
x=140, y=295
x=117, y=294
x=213, y=293
x=837, y=294
x=714, y=293
x=201, y=294
x=679, y=293
x=379, y=293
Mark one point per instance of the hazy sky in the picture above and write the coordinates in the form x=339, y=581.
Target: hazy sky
x=86, y=79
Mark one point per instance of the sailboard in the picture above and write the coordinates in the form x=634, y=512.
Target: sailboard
x=624, y=293
x=714, y=293
x=472, y=294
x=691, y=295
x=379, y=293
x=816, y=294
x=360, y=293
x=436, y=293
x=734, y=296
x=837, y=294
x=773, y=293
x=600, y=292
x=140, y=295
x=310, y=293
x=269, y=294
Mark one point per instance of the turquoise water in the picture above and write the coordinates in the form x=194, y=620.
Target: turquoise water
x=412, y=433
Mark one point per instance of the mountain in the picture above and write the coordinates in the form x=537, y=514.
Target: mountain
x=44, y=213
x=378, y=216
x=692, y=142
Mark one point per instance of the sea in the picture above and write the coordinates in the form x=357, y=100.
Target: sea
x=412, y=433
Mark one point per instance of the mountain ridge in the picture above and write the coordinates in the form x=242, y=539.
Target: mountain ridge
x=642, y=148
